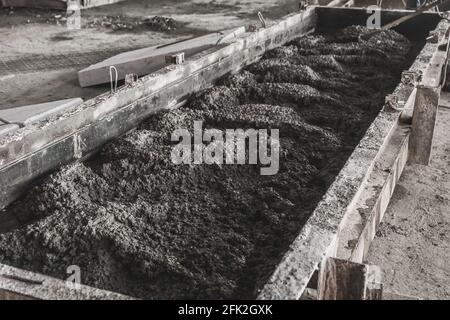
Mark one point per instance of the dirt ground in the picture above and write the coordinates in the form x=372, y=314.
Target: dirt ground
x=413, y=243
x=29, y=36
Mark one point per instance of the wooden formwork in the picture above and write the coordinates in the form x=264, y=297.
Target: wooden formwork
x=333, y=231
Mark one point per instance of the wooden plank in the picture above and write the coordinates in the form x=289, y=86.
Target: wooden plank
x=341, y=280
x=423, y=123
x=391, y=4
x=361, y=224
x=435, y=75
x=19, y=284
x=147, y=60
x=346, y=280
x=412, y=15
x=427, y=101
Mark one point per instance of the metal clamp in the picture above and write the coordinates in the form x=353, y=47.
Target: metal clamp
x=261, y=18
x=113, y=82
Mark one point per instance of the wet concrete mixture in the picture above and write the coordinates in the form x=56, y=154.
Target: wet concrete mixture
x=137, y=224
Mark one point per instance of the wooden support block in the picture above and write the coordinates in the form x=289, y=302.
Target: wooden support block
x=346, y=280
x=423, y=123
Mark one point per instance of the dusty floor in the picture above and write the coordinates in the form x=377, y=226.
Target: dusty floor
x=138, y=224
x=29, y=36
x=413, y=242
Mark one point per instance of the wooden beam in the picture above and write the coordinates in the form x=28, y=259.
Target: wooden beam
x=418, y=12
x=427, y=101
x=346, y=280
x=415, y=28
x=363, y=219
x=423, y=123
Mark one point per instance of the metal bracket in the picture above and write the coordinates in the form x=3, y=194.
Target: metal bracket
x=131, y=79
x=177, y=58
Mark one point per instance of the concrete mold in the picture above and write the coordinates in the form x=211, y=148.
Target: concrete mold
x=34, y=151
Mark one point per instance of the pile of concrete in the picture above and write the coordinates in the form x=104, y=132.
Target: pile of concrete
x=137, y=223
